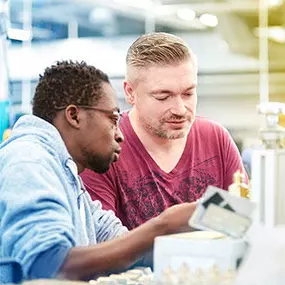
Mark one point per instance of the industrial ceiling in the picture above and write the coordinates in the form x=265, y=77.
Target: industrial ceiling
x=237, y=21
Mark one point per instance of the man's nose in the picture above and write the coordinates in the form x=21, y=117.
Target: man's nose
x=119, y=137
x=178, y=106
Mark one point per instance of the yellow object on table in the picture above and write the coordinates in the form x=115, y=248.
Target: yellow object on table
x=239, y=187
x=282, y=120
x=282, y=124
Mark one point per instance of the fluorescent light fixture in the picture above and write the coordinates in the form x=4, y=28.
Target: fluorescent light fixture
x=141, y=4
x=274, y=3
x=275, y=33
x=100, y=14
x=20, y=35
x=163, y=10
x=186, y=14
x=4, y=7
x=209, y=20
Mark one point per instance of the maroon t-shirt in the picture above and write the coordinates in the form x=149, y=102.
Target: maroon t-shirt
x=137, y=189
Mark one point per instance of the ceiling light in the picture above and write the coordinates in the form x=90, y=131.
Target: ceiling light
x=163, y=10
x=142, y=4
x=276, y=33
x=19, y=35
x=274, y=3
x=209, y=20
x=186, y=14
x=4, y=7
x=100, y=14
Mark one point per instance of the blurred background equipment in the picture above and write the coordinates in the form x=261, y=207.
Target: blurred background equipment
x=224, y=34
x=270, y=268
x=268, y=166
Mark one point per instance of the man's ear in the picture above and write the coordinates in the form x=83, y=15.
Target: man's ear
x=72, y=115
x=129, y=92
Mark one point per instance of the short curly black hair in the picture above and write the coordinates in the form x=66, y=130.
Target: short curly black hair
x=66, y=83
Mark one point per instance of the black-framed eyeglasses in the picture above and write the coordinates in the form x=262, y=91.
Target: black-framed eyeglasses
x=114, y=113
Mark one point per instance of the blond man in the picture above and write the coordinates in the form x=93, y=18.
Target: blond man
x=170, y=155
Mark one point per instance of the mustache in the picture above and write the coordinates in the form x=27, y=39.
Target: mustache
x=177, y=118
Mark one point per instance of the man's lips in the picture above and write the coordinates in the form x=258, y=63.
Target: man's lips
x=117, y=154
x=176, y=122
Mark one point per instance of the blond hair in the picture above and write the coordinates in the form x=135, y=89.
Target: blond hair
x=158, y=48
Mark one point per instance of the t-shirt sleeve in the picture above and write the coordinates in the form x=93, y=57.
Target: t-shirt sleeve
x=101, y=187
x=231, y=158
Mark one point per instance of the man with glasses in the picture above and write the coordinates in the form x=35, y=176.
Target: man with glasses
x=48, y=221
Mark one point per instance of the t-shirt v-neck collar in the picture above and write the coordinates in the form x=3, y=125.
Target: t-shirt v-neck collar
x=136, y=142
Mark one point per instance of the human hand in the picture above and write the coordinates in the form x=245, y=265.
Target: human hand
x=176, y=217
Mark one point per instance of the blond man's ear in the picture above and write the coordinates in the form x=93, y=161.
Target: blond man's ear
x=129, y=93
